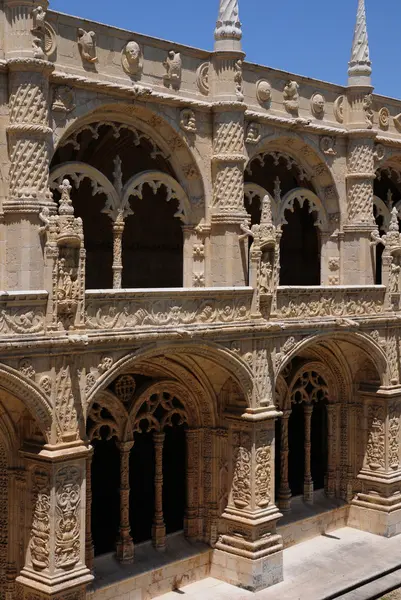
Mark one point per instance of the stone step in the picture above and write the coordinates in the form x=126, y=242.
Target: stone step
x=372, y=588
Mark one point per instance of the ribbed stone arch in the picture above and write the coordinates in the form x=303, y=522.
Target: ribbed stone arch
x=365, y=343
x=309, y=157
x=228, y=361
x=31, y=396
x=186, y=163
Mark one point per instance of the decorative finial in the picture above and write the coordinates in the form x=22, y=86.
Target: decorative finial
x=65, y=206
x=394, y=220
x=228, y=32
x=360, y=67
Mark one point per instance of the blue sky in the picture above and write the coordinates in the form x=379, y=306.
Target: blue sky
x=307, y=37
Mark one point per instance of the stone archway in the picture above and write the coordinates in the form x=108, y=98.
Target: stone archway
x=161, y=404
x=337, y=369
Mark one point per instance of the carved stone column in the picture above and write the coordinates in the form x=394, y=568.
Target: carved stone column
x=55, y=558
x=249, y=521
x=159, y=527
x=89, y=547
x=377, y=507
x=118, y=231
x=125, y=545
x=284, y=493
x=332, y=450
x=308, y=481
x=191, y=522
x=29, y=140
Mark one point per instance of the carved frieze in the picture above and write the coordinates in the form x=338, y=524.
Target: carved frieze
x=329, y=302
x=40, y=531
x=119, y=313
x=68, y=517
x=242, y=465
x=375, y=449
x=262, y=471
x=394, y=436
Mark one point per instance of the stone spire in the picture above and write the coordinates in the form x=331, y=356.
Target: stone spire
x=360, y=70
x=228, y=32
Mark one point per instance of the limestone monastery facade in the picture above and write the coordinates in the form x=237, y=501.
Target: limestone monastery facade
x=200, y=328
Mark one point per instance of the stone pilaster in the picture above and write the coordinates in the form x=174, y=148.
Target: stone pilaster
x=249, y=550
x=30, y=140
x=359, y=263
x=55, y=558
x=229, y=260
x=377, y=507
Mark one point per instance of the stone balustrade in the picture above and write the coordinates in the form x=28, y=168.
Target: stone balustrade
x=328, y=301
x=122, y=309
x=23, y=312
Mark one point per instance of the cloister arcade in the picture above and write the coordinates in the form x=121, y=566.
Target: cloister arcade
x=122, y=178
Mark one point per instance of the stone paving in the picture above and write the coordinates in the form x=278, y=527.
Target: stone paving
x=314, y=569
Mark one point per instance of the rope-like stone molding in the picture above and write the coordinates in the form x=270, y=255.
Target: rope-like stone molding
x=136, y=91
x=297, y=124
x=389, y=141
x=29, y=129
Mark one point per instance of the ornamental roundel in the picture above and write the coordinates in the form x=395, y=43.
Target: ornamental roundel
x=125, y=388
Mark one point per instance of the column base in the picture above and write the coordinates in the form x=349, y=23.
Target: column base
x=249, y=553
x=62, y=589
x=381, y=516
x=159, y=537
x=249, y=574
x=125, y=550
x=284, y=502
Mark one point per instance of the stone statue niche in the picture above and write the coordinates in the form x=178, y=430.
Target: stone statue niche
x=263, y=258
x=65, y=264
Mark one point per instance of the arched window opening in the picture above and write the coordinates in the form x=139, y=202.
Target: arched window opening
x=302, y=445
x=158, y=469
x=295, y=208
x=106, y=495
x=300, y=247
x=142, y=484
x=105, y=479
x=382, y=225
x=132, y=241
x=153, y=242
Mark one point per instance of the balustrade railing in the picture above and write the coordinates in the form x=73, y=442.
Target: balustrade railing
x=328, y=301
